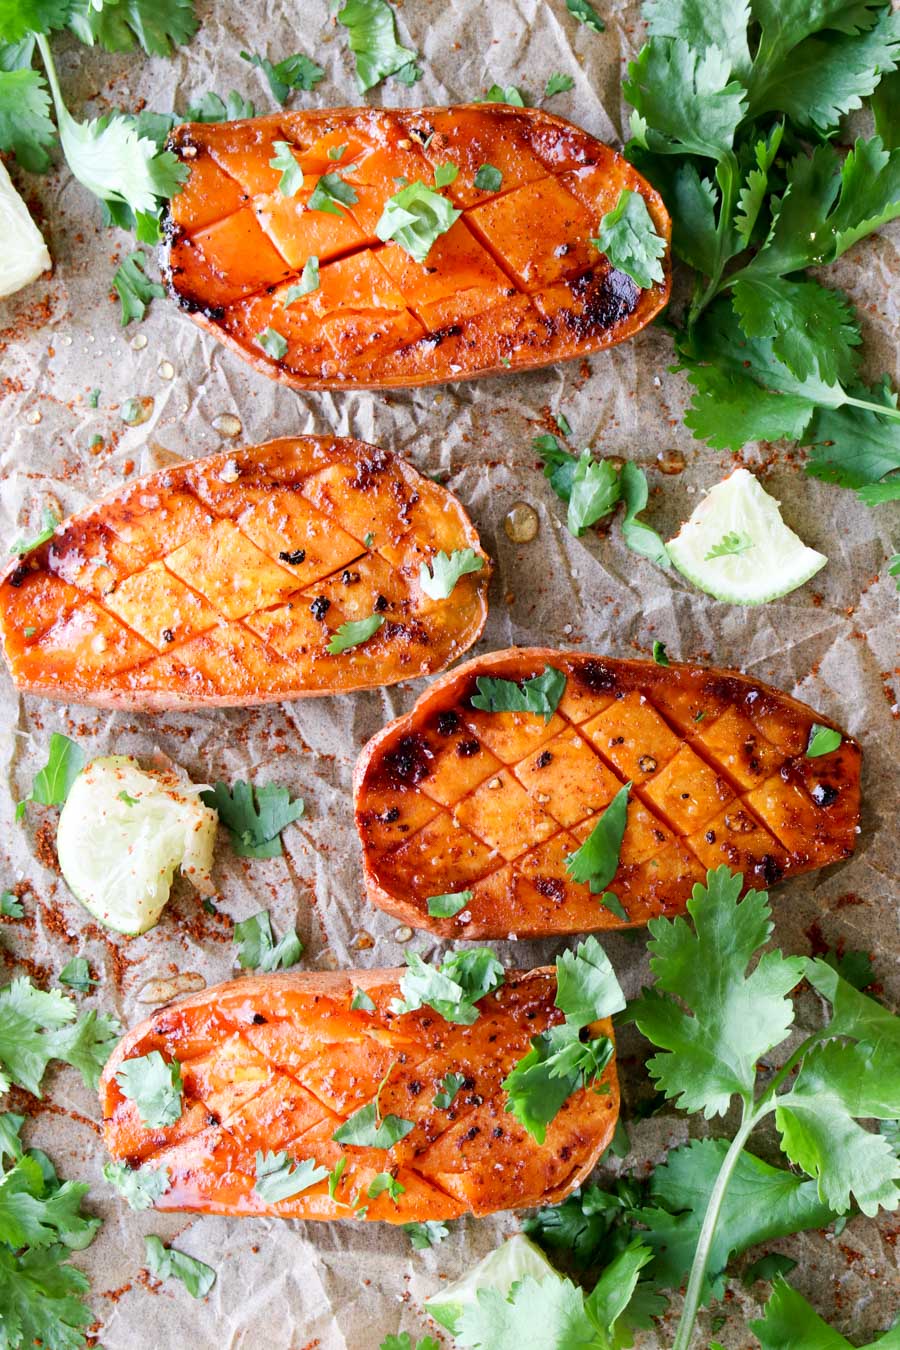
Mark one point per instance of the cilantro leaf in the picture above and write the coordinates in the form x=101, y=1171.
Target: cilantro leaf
x=279, y=1176
x=638, y=536
x=789, y=1320
x=445, y=174
x=405, y=1342
x=427, y=1234
x=37, y=1212
x=453, y=988
x=855, y=447
x=586, y=14
x=510, y=95
x=729, y=1019
x=19, y=18
x=10, y=1144
x=158, y=26
x=257, y=949
x=596, y=862
x=438, y=578
x=761, y=1203
x=385, y=1181
x=768, y=1267
x=154, y=1085
x=49, y=522
x=365, y=1129
x=578, y=1230
x=628, y=238
x=273, y=343
x=134, y=289
x=294, y=72
x=165, y=1263
x=819, y=1132
x=558, y=84
x=361, y=1001
x=539, y=695
x=284, y=159
x=10, y=906
x=37, y=1026
x=212, y=108
x=813, y=329
x=451, y=1084
x=415, y=217
x=26, y=128
x=660, y=655
x=445, y=906
x=586, y=985
x=593, y=492
x=855, y=967
x=77, y=975
x=42, y=1299
x=309, y=282
x=488, y=179
x=140, y=1186
x=559, y=464
x=723, y=26
x=254, y=816
x=685, y=100
x=730, y=543
x=551, y=1309
x=372, y=35
x=330, y=193
x=354, y=633
x=822, y=740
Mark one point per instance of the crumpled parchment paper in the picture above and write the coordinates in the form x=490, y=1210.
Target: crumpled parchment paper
x=834, y=643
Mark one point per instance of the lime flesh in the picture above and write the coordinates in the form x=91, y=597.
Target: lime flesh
x=24, y=254
x=755, y=556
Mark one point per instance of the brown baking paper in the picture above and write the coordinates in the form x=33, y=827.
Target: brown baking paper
x=344, y=1286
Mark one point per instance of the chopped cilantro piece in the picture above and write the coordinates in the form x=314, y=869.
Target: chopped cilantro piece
x=438, y=578
x=37, y=1027
x=279, y=1176
x=309, y=282
x=134, y=289
x=330, y=194
x=597, y=860
x=558, y=84
x=453, y=988
x=416, y=217
x=539, y=695
x=257, y=949
x=445, y=174
x=586, y=14
x=427, y=1234
x=165, y=1263
x=510, y=95
x=254, y=816
x=77, y=975
x=660, y=655
x=154, y=1085
x=373, y=40
x=730, y=543
x=65, y=760
x=26, y=128
x=361, y=1001
x=385, y=1181
x=294, y=72
x=445, y=906
x=157, y=26
x=49, y=522
x=638, y=536
x=337, y=152
x=140, y=1186
x=822, y=741
x=488, y=179
x=10, y=906
x=628, y=238
x=272, y=343
x=367, y=1128
x=354, y=633
x=284, y=159
x=451, y=1084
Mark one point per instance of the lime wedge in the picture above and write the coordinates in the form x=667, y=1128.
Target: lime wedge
x=499, y=1270
x=24, y=254
x=736, y=547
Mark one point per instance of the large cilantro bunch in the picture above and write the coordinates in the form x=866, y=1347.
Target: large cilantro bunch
x=735, y=107
x=113, y=156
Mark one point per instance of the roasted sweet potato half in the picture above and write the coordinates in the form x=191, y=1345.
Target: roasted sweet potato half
x=279, y=1063
x=514, y=283
x=452, y=799
x=224, y=581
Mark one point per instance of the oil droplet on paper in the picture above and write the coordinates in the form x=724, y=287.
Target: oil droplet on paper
x=165, y=370
x=403, y=933
x=670, y=461
x=226, y=424
x=328, y=960
x=362, y=941
x=139, y=342
x=135, y=411
x=33, y=416
x=521, y=523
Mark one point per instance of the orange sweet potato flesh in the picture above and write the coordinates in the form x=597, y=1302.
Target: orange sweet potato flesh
x=452, y=799
x=515, y=283
x=277, y=1063
x=222, y=581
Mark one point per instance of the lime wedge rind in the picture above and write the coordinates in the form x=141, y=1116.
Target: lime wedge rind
x=770, y=561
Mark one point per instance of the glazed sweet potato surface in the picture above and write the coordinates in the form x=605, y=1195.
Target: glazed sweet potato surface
x=514, y=283
x=278, y=1063
x=223, y=580
x=452, y=799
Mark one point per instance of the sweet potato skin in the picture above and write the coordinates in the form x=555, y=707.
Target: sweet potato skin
x=276, y=1062
x=449, y=799
x=499, y=291
x=222, y=580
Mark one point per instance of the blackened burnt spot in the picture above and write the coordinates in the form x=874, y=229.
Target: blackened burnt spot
x=377, y=462
x=447, y=723
x=436, y=338
x=466, y=749
x=725, y=689
x=215, y=313
x=600, y=303
x=594, y=675
x=410, y=760
x=823, y=794
x=258, y=1020
x=543, y=759
x=552, y=888
x=769, y=869
x=18, y=575
x=390, y=815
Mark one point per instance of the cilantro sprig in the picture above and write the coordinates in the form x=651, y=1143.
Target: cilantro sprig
x=539, y=695
x=416, y=217
x=37, y=1026
x=454, y=988
x=439, y=577
x=257, y=948
x=715, y=1016
x=734, y=111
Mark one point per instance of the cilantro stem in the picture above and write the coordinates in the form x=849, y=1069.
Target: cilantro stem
x=882, y=409
x=728, y=175
x=684, y=1335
